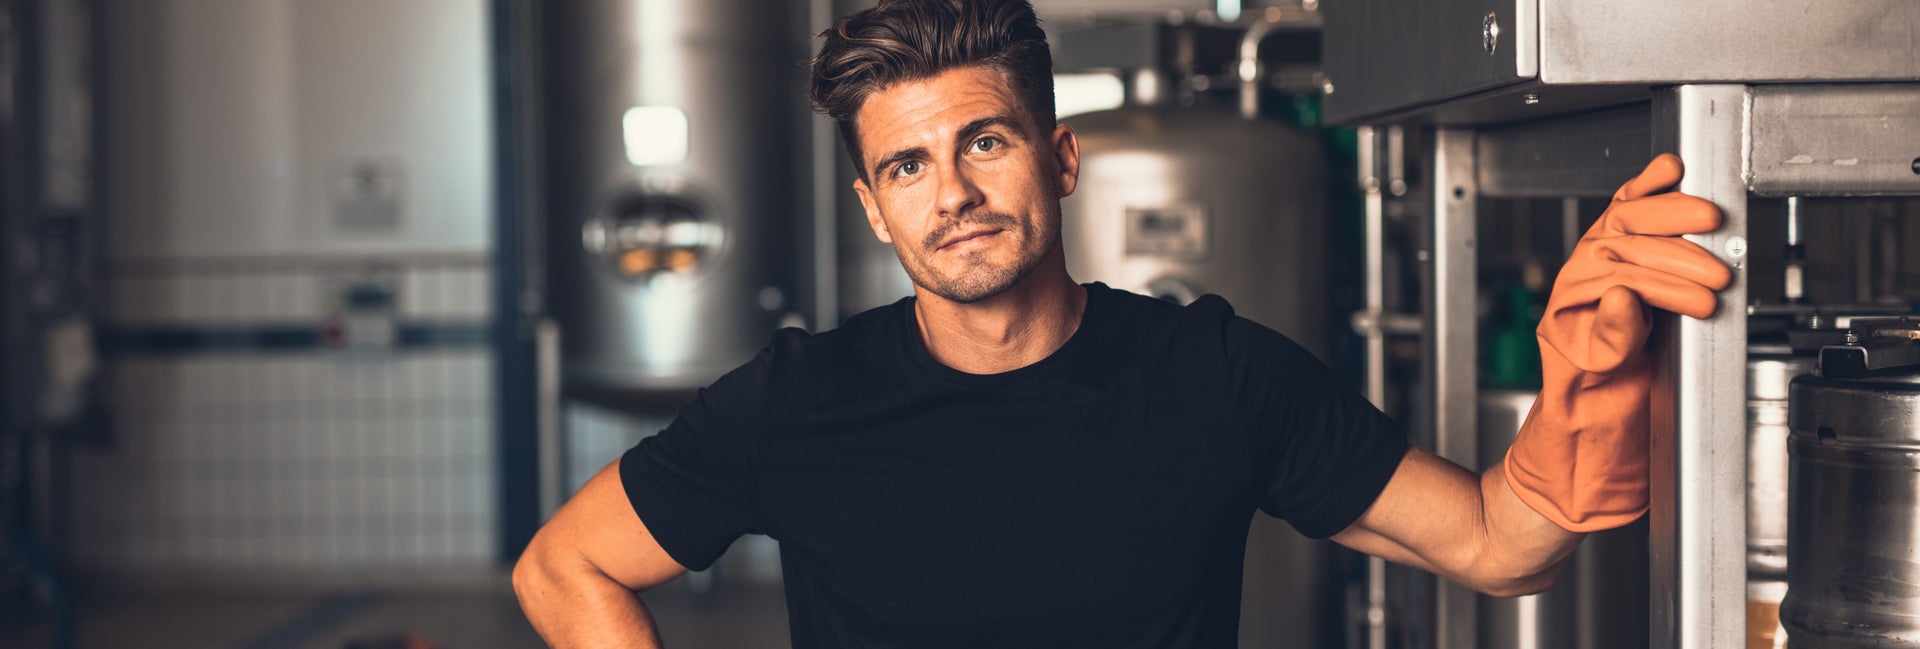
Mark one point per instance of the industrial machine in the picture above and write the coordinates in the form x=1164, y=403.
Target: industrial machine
x=673, y=137
x=1476, y=108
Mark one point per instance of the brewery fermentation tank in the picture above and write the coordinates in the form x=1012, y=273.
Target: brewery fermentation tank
x=1853, y=568
x=1180, y=202
x=673, y=138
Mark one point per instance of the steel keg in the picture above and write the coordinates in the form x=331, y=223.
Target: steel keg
x=1853, y=533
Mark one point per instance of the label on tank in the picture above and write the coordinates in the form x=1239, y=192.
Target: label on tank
x=1168, y=231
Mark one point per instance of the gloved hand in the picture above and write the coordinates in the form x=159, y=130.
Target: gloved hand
x=1580, y=460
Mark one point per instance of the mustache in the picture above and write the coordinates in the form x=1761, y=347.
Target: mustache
x=1000, y=220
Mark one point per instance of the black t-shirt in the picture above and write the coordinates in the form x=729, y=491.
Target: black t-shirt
x=1098, y=498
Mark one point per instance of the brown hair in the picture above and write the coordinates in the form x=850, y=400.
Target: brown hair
x=907, y=40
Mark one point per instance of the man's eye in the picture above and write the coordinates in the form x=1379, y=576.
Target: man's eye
x=907, y=169
x=986, y=144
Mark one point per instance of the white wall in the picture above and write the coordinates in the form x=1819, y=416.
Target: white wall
x=230, y=123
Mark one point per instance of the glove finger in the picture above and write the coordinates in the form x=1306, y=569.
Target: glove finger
x=1661, y=290
x=1660, y=174
x=1658, y=289
x=1671, y=255
x=1668, y=214
x=1598, y=335
x=1620, y=327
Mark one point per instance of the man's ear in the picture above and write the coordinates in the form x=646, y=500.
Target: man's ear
x=1066, y=154
x=873, y=211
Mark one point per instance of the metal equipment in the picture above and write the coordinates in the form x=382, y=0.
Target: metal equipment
x=1180, y=202
x=1769, y=370
x=1550, y=100
x=674, y=135
x=1854, y=457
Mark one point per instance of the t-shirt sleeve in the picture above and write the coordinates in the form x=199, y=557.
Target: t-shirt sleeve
x=693, y=484
x=1322, y=453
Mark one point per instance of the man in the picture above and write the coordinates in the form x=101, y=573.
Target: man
x=1010, y=459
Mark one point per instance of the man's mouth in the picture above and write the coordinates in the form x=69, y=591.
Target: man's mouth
x=967, y=236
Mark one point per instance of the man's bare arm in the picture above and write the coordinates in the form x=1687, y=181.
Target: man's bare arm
x=1438, y=516
x=578, y=579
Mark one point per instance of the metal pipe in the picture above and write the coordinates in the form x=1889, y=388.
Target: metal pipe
x=826, y=241
x=1249, y=66
x=1569, y=226
x=552, y=439
x=1376, y=241
x=1375, y=267
x=1397, y=160
x=1794, y=289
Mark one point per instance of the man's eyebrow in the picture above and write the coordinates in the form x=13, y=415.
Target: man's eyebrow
x=965, y=133
x=902, y=155
x=976, y=126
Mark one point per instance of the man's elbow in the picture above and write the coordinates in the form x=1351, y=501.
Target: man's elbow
x=534, y=573
x=1519, y=586
x=527, y=575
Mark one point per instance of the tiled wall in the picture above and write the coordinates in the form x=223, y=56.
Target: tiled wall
x=241, y=459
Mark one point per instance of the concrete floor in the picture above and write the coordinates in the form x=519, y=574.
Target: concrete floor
x=464, y=614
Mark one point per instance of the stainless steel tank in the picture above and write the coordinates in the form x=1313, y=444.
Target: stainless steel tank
x=1853, y=547
x=1181, y=202
x=673, y=139
x=1769, y=371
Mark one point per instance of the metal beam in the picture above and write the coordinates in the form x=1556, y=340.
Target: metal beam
x=1836, y=140
x=1583, y=155
x=1699, y=513
x=1453, y=346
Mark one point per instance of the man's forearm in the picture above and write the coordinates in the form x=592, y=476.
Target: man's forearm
x=1523, y=550
x=1439, y=516
x=578, y=606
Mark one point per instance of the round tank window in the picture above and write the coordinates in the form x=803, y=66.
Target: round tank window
x=640, y=238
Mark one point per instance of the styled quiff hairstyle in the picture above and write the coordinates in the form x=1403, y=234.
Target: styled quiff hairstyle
x=910, y=40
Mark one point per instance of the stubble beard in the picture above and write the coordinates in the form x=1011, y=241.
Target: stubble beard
x=979, y=278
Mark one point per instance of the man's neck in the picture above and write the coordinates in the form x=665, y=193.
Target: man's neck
x=1006, y=332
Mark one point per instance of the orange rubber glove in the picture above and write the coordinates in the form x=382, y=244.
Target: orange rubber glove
x=1580, y=460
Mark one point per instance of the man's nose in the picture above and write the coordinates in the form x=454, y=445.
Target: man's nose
x=958, y=192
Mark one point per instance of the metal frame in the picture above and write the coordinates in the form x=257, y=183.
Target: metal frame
x=1375, y=622
x=1736, y=140
x=1699, y=444
x=1453, y=347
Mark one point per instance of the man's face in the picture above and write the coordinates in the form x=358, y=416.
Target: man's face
x=961, y=182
